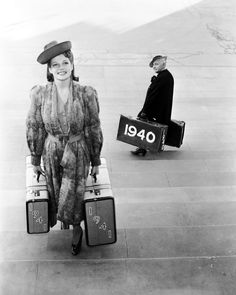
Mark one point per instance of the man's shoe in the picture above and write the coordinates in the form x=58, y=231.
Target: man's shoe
x=139, y=151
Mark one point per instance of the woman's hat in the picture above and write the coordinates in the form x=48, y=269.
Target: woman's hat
x=53, y=49
x=156, y=58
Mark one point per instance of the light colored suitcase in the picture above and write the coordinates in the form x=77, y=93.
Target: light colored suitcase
x=36, y=201
x=37, y=211
x=99, y=205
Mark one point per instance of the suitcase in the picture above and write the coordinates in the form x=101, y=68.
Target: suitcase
x=99, y=202
x=36, y=201
x=99, y=206
x=175, y=133
x=37, y=211
x=100, y=224
x=144, y=134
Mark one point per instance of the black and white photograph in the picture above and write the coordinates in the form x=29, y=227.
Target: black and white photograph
x=118, y=147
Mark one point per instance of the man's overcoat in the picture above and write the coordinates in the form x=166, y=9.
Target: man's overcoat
x=159, y=97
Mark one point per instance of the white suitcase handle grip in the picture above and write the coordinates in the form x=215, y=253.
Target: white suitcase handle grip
x=96, y=191
x=94, y=178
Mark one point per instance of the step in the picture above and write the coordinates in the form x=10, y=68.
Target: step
x=122, y=195
x=205, y=276
x=172, y=179
x=162, y=242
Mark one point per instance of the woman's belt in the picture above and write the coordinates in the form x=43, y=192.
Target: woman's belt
x=66, y=137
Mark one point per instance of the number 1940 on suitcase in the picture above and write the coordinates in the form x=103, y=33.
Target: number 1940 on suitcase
x=143, y=134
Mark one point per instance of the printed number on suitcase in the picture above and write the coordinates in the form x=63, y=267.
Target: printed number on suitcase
x=132, y=131
x=36, y=214
x=101, y=226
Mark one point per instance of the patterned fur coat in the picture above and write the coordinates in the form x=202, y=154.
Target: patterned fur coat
x=66, y=162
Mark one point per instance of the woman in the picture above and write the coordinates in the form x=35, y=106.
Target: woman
x=63, y=127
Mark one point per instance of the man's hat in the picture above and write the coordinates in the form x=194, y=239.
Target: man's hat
x=156, y=58
x=53, y=49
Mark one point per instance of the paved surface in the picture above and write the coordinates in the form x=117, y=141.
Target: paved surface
x=175, y=210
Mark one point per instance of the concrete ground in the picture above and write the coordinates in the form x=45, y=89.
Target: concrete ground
x=175, y=211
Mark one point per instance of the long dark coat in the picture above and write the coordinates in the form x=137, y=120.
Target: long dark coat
x=66, y=163
x=159, y=97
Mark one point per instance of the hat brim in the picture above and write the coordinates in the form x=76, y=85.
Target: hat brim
x=53, y=51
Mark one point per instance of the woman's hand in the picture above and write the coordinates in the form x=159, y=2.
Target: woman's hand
x=38, y=171
x=94, y=170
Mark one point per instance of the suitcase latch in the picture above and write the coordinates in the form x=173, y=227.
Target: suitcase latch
x=97, y=192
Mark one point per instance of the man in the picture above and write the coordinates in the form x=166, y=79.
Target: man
x=158, y=103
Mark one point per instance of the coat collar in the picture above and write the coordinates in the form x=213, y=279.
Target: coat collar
x=54, y=105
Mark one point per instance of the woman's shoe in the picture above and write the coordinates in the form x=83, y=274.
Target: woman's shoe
x=75, y=248
x=139, y=151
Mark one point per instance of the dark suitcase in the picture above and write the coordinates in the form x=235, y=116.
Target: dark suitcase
x=99, y=206
x=175, y=133
x=143, y=134
x=36, y=202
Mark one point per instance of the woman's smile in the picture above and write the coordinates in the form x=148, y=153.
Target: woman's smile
x=61, y=73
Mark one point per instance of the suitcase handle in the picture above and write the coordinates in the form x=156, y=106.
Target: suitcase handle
x=38, y=175
x=96, y=191
x=154, y=120
x=94, y=178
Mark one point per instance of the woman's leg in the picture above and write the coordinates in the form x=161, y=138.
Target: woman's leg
x=51, y=161
x=76, y=240
x=77, y=232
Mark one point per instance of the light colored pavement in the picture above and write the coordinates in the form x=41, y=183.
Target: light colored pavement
x=175, y=210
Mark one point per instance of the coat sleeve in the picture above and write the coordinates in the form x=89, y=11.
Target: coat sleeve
x=93, y=131
x=35, y=131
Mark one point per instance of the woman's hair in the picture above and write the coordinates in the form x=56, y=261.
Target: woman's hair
x=69, y=55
